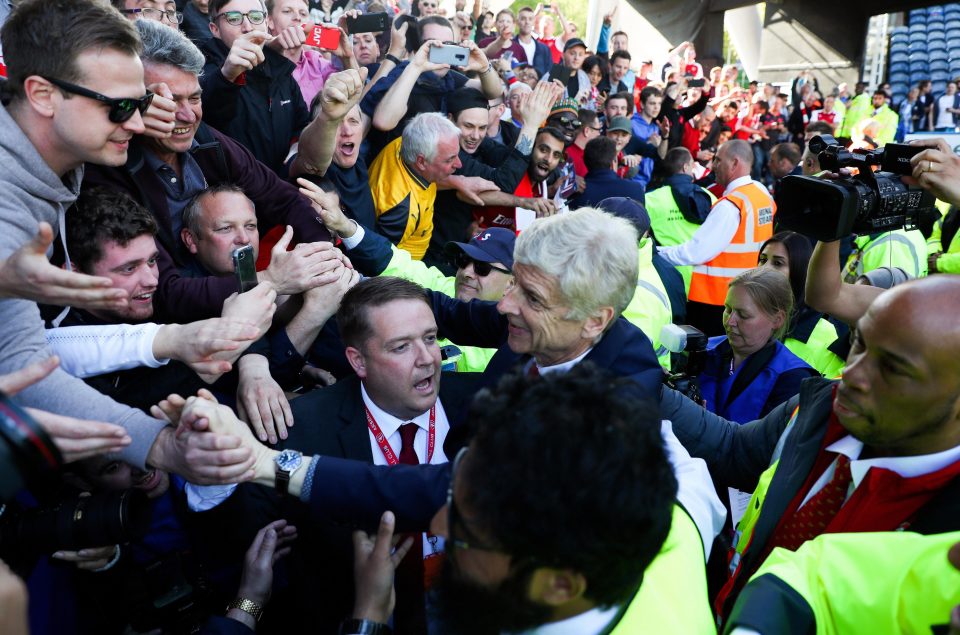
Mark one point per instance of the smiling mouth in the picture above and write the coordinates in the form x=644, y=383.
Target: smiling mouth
x=182, y=130
x=143, y=297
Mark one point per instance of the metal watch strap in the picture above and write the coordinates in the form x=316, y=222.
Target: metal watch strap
x=247, y=606
x=363, y=627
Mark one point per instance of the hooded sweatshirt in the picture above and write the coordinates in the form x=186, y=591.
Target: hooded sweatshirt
x=32, y=193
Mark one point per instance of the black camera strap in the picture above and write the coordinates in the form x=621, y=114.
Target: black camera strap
x=749, y=371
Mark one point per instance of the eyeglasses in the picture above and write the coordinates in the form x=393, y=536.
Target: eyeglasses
x=172, y=16
x=597, y=129
x=235, y=18
x=481, y=268
x=121, y=108
x=569, y=123
x=453, y=515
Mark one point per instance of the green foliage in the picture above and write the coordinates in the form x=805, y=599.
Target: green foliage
x=574, y=10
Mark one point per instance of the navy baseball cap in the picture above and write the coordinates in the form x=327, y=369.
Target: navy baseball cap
x=629, y=209
x=490, y=245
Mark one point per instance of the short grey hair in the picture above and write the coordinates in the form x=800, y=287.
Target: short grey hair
x=423, y=133
x=592, y=254
x=163, y=45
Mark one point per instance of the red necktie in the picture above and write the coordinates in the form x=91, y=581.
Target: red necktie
x=809, y=521
x=533, y=371
x=410, y=613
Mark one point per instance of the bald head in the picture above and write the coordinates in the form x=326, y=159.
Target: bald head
x=900, y=391
x=734, y=160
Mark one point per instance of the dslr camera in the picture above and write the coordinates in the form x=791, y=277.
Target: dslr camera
x=866, y=203
x=688, y=348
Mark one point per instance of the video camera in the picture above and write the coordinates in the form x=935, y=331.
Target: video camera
x=681, y=339
x=28, y=456
x=867, y=203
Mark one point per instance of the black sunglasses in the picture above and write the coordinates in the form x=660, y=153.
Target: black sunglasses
x=121, y=108
x=479, y=267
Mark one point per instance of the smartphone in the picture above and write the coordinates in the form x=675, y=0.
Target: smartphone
x=697, y=83
x=560, y=72
x=412, y=41
x=322, y=37
x=449, y=54
x=245, y=267
x=370, y=23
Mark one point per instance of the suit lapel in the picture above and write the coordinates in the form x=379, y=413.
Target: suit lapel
x=354, y=436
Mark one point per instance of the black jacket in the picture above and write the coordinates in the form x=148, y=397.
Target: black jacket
x=265, y=111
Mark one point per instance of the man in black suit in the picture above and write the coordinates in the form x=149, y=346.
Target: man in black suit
x=390, y=334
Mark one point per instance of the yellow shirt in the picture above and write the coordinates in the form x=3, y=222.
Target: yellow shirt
x=403, y=201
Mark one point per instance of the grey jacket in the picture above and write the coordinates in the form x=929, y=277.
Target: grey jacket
x=32, y=192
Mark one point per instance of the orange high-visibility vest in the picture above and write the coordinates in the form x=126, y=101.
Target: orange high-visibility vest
x=708, y=284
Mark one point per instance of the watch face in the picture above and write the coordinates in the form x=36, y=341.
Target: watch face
x=289, y=460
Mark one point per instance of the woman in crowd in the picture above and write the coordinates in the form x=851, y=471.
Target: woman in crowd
x=749, y=371
x=597, y=70
x=810, y=336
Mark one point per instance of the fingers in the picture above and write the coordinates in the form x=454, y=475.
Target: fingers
x=14, y=382
x=284, y=242
x=381, y=547
x=42, y=241
x=251, y=408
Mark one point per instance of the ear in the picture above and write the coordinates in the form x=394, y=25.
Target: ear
x=556, y=587
x=779, y=320
x=214, y=29
x=357, y=361
x=189, y=240
x=420, y=163
x=597, y=323
x=40, y=94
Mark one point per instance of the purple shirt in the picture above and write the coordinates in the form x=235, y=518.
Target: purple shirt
x=311, y=72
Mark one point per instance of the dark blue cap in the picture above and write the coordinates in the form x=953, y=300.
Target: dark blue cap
x=630, y=209
x=490, y=245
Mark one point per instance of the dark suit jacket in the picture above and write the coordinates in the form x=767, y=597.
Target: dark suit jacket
x=330, y=422
x=361, y=493
x=601, y=184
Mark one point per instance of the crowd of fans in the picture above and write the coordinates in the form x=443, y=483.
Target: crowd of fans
x=363, y=317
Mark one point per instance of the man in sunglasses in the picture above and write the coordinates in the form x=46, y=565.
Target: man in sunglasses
x=163, y=11
x=249, y=89
x=164, y=175
x=69, y=99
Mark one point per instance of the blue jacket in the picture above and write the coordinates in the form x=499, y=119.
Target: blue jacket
x=777, y=381
x=601, y=184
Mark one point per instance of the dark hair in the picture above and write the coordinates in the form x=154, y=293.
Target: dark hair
x=595, y=60
x=676, y=159
x=554, y=132
x=763, y=105
x=819, y=127
x=599, y=153
x=789, y=151
x=623, y=33
x=627, y=97
x=214, y=7
x=587, y=117
x=618, y=54
x=101, y=215
x=799, y=251
x=45, y=37
x=648, y=92
x=432, y=19
x=570, y=470
x=353, y=319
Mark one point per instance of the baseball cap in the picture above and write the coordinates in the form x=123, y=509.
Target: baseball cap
x=574, y=41
x=620, y=123
x=490, y=245
x=465, y=99
x=628, y=209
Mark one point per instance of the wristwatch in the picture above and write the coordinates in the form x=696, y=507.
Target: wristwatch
x=247, y=606
x=287, y=462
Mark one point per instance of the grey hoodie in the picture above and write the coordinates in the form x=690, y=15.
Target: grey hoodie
x=32, y=192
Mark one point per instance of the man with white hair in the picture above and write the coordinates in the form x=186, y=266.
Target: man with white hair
x=403, y=180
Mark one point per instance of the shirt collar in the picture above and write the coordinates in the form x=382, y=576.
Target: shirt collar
x=156, y=164
x=735, y=183
x=591, y=622
x=905, y=466
x=563, y=367
x=387, y=422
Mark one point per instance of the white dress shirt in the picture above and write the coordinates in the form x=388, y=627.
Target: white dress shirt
x=590, y=622
x=390, y=427
x=714, y=234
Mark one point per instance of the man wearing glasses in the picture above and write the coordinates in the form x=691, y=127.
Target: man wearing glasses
x=77, y=97
x=156, y=10
x=248, y=88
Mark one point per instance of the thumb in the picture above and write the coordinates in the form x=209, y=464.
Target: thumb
x=284, y=241
x=364, y=71
x=163, y=90
x=42, y=241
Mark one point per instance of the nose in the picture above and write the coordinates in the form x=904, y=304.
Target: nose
x=854, y=374
x=438, y=524
x=150, y=278
x=240, y=237
x=185, y=113
x=508, y=304
x=457, y=164
x=134, y=124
